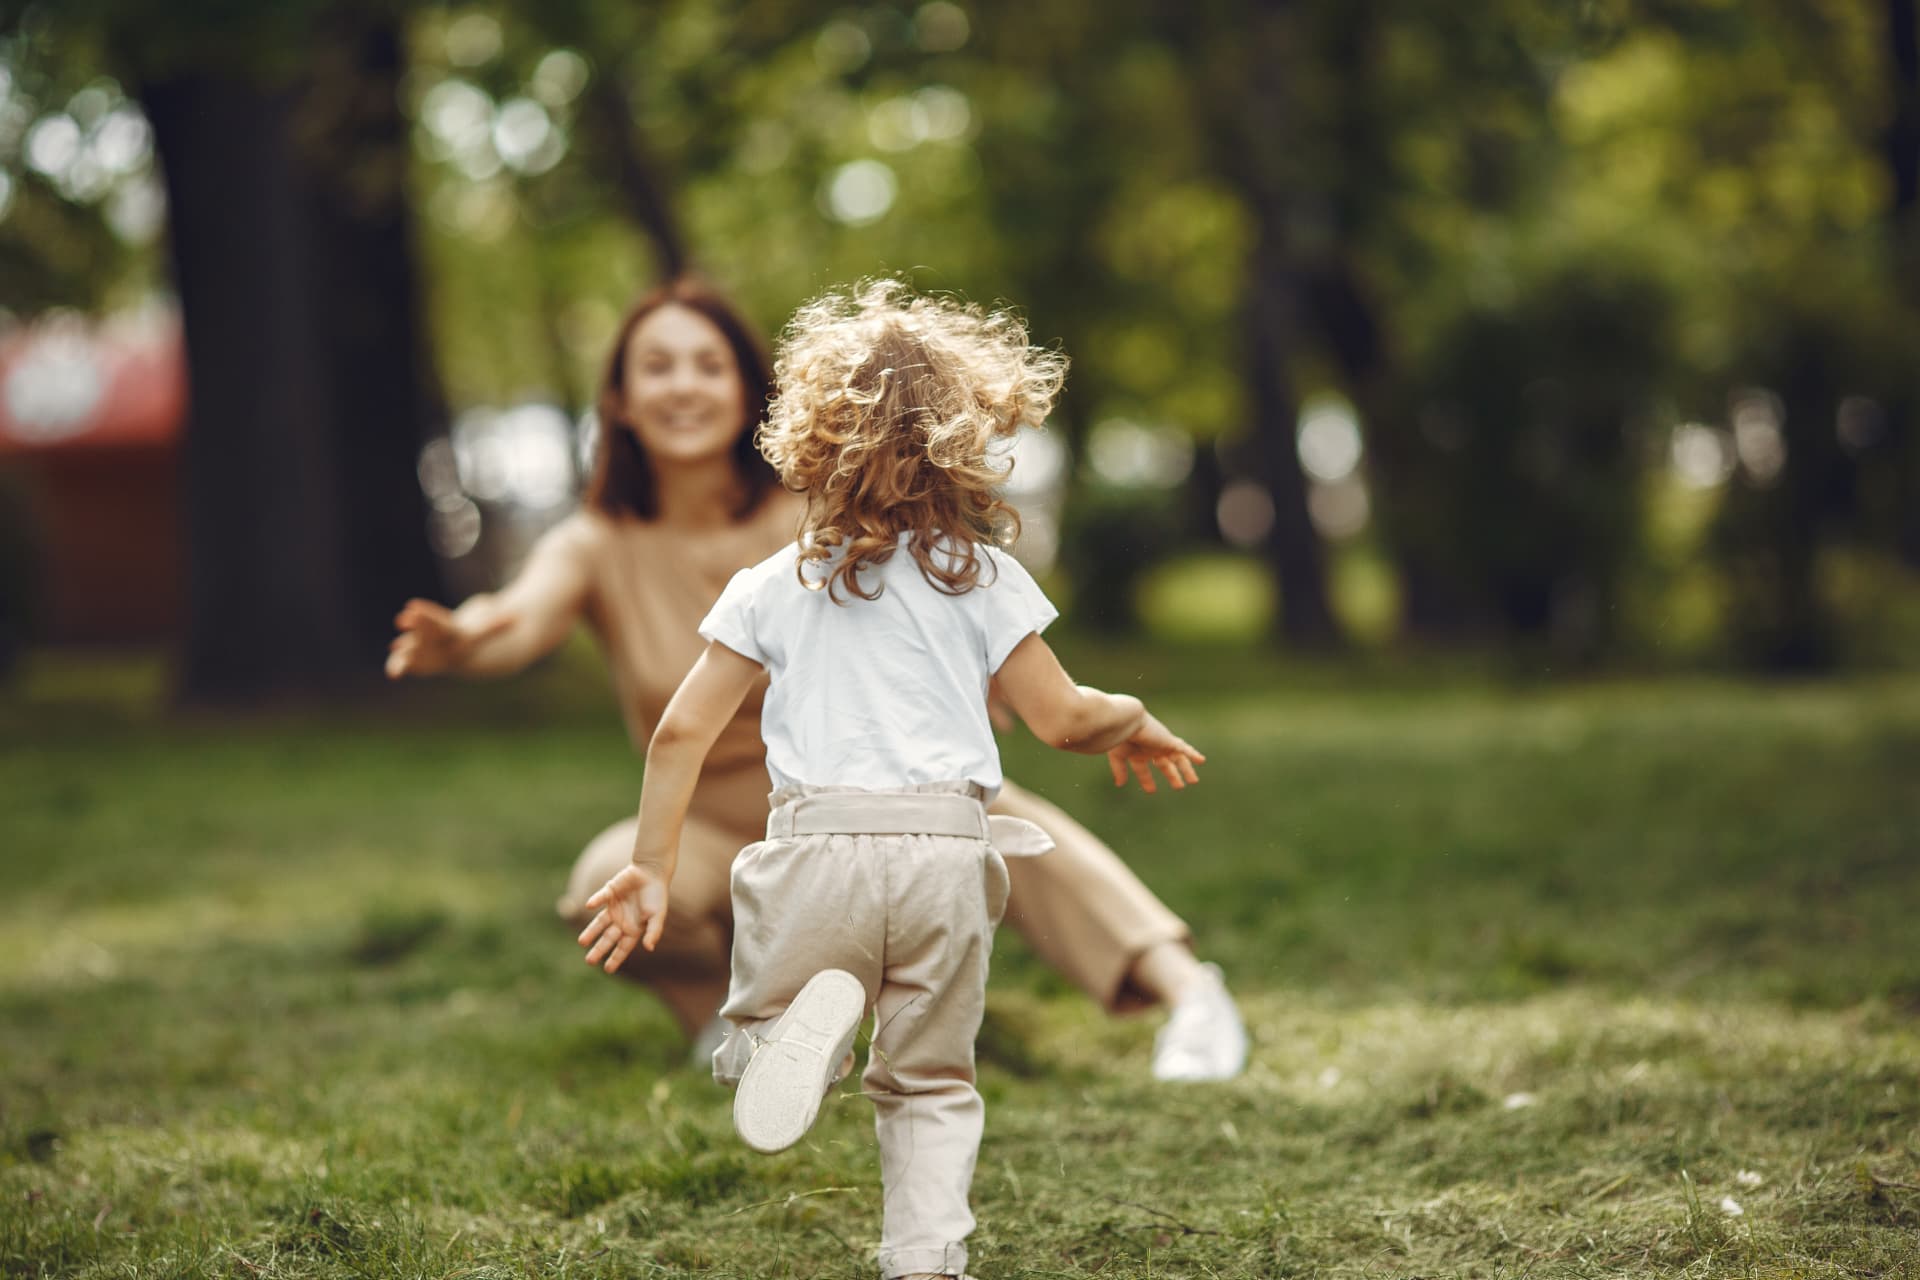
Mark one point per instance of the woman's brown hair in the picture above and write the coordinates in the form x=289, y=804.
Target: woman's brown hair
x=622, y=480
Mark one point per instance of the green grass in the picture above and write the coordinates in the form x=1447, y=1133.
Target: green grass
x=1542, y=980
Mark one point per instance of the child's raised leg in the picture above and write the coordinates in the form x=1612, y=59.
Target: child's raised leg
x=801, y=905
x=796, y=1058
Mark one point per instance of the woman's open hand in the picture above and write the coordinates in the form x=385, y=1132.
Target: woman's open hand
x=632, y=911
x=434, y=640
x=1153, y=746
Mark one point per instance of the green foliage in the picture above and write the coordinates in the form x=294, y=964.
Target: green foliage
x=1613, y=217
x=1526, y=437
x=1831, y=368
x=1112, y=540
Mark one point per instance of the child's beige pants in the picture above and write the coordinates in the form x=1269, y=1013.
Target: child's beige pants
x=902, y=890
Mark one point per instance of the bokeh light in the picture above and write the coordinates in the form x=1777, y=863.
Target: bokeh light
x=1859, y=424
x=898, y=124
x=472, y=40
x=1135, y=455
x=1244, y=514
x=1329, y=438
x=945, y=113
x=1702, y=456
x=522, y=455
x=53, y=144
x=137, y=210
x=764, y=147
x=560, y=78
x=841, y=46
x=1758, y=440
x=941, y=27
x=525, y=137
x=1036, y=483
x=1339, y=509
x=454, y=529
x=53, y=389
x=860, y=193
x=123, y=142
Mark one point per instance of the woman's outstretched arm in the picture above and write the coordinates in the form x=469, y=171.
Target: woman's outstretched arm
x=499, y=633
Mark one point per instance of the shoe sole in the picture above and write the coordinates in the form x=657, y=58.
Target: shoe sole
x=781, y=1088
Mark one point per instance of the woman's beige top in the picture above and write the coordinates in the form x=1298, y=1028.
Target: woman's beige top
x=643, y=587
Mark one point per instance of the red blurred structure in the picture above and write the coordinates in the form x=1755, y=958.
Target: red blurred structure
x=90, y=424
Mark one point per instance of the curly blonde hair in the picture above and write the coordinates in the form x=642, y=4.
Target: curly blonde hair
x=885, y=406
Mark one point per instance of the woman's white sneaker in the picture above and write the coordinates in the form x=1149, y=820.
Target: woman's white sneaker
x=797, y=1061
x=1204, y=1038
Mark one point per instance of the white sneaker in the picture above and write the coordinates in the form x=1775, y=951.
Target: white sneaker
x=797, y=1062
x=1204, y=1038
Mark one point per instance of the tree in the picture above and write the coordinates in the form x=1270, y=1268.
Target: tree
x=1900, y=147
x=1245, y=72
x=286, y=160
x=291, y=244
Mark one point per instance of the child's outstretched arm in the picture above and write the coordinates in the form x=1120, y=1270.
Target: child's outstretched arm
x=632, y=906
x=1078, y=718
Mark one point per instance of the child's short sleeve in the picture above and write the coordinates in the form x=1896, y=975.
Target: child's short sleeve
x=1015, y=607
x=730, y=621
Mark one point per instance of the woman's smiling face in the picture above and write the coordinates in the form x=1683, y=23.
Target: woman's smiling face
x=684, y=396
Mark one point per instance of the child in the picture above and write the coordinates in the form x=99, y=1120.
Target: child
x=881, y=878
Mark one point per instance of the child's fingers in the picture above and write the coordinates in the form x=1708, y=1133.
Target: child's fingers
x=606, y=942
x=1167, y=766
x=1143, y=770
x=655, y=927
x=1119, y=768
x=594, y=926
x=1187, y=769
x=609, y=939
x=600, y=897
x=620, y=953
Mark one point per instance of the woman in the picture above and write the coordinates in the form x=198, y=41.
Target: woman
x=678, y=501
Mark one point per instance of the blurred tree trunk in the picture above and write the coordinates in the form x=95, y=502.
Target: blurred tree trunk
x=617, y=150
x=1293, y=545
x=1433, y=608
x=1246, y=90
x=608, y=111
x=1901, y=148
x=292, y=254
x=387, y=400
x=1350, y=324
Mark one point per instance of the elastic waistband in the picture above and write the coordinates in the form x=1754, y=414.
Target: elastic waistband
x=880, y=813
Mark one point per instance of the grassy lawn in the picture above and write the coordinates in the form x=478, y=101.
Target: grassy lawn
x=1617, y=979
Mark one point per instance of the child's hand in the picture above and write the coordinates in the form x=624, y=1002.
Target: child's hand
x=1152, y=746
x=632, y=910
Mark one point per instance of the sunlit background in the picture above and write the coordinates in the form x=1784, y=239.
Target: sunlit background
x=1583, y=334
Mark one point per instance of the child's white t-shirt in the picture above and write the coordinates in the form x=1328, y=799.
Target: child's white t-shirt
x=881, y=693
